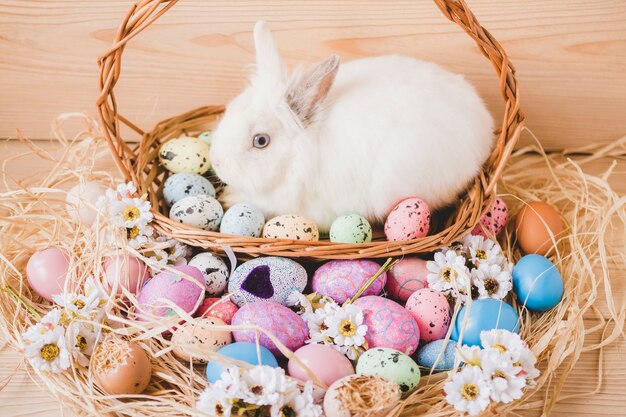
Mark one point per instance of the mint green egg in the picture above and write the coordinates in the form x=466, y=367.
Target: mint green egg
x=206, y=137
x=391, y=364
x=351, y=228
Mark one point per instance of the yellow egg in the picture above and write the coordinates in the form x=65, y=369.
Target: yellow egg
x=292, y=227
x=185, y=154
x=121, y=367
x=194, y=339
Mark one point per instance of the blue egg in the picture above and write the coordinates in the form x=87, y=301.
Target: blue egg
x=241, y=351
x=427, y=355
x=484, y=314
x=183, y=184
x=243, y=220
x=537, y=283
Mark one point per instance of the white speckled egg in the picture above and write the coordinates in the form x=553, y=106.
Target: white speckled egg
x=184, y=184
x=199, y=211
x=214, y=270
x=351, y=228
x=195, y=339
x=243, y=220
x=292, y=227
x=185, y=154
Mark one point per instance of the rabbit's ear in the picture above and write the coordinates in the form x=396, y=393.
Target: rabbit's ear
x=308, y=89
x=268, y=62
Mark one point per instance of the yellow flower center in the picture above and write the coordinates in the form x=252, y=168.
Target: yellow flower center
x=219, y=410
x=131, y=213
x=256, y=389
x=81, y=342
x=447, y=274
x=498, y=374
x=481, y=254
x=132, y=232
x=78, y=303
x=287, y=411
x=347, y=328
x=491, y=286
x=500, y=347
x=50, y=352
x=470, y=392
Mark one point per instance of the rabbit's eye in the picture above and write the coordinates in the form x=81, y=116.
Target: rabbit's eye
x=261, y=140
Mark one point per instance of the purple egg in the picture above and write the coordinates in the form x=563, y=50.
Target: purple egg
x=389, y=325
x=172, y=286
x=342, y=279
x=281, y=322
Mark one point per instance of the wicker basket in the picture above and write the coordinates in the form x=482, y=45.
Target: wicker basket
x=139, y=163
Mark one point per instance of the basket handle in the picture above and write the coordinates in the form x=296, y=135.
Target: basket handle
x=143, y=13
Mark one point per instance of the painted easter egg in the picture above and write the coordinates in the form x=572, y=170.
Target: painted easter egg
x=266, y=279
x=243, y=220
x=292, y=227
x=367, y=389
x=534, y=225
x=206, y=137
x=214, y=270
x=484, y=314
x=405, y=277
x=181, y=185
x=80, y=202
x=537, y=283
x=391, y=364
x=427, y=355
x=326, y=363
x=342, y=279
x=184, y=287
x=493, y=221
x=120, y=367
x=125, y=272
x=185, y=154
x=221, y=308
x=431, y=311
x=194, y=339
x=240, y=351
x=408, y=220
x=47, y=271
x=350, y=228
x=199, y=211
x=276, y=319
x=389, y=324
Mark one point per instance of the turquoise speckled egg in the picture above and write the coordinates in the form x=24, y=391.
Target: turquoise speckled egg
x=243, y=220
x=206, y=137
x=241, y=351
x=181, y=185
x=351, y=228
x=199, y=211
x=391, y=364
x=484, y=314
x=427, y=355
x=185, y=154
x=537, y=283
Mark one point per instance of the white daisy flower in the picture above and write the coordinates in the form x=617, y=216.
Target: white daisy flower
x=346, y=326
x=471, y=355
x=214, y=402
x=449, y=274
x=263, y=385
x=296, y=403
x=299, y=300
x=527, y=361
x=482, y=251
x=504, y=378
x=132, y=212
x=505, y=342
x=138, y=237
x=468, y=391
x=48, y=352
x=48, y=323
x=82, y=337
x=491, y=281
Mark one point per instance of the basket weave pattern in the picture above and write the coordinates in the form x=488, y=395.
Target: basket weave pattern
x=139, y=163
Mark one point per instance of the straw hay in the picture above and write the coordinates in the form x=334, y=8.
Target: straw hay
x=33, y=217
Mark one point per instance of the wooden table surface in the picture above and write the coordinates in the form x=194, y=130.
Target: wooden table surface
x=582, y=396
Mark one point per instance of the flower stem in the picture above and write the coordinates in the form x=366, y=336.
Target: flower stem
x=386, y=266
x=7, y=288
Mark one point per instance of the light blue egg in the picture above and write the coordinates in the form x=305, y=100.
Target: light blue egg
x=206, y=137
x=241, y=351
x=537, y=283
x=484, y=314
x=427, y=355
x=243, y=220
x=179, y=186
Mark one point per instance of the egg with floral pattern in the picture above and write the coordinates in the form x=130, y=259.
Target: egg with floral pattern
x=185, y=154
x=291, y=227
x=243, y=220
x=214, y=270
x=288, y=327
x=201, y=211
x=341, y=279
x=431, y=311
x=181, y=185
x=389, y=324
x=405, y=277
x=408, y=220
x=493, y=221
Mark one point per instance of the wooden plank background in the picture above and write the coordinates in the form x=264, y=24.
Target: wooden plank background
x=570, y=55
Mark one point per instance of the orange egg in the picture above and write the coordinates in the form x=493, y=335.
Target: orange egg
x=121, y=367
x=530, y=226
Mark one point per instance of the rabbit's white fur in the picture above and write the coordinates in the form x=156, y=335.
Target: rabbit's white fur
x=387, y=128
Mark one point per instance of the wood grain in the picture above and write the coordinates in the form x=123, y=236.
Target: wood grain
x=570, y=55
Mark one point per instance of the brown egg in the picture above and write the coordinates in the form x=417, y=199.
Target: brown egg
x=532, y=234
x=121, y=367
x=194, y=339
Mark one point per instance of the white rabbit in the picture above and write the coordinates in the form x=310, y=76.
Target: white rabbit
x=355, y=138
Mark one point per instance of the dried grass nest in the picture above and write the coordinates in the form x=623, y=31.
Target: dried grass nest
x=33, y=218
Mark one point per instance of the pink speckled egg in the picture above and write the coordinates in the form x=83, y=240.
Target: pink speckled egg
x=493, y=221
x=125, y=272
x=47, y=270
x=326, y=363
x=405, y=277
x=408, y=220
x=342, y=279
x=223, y=310
x=174, y=287
x=284, y=324
x=389, y=324
x=431, y=311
